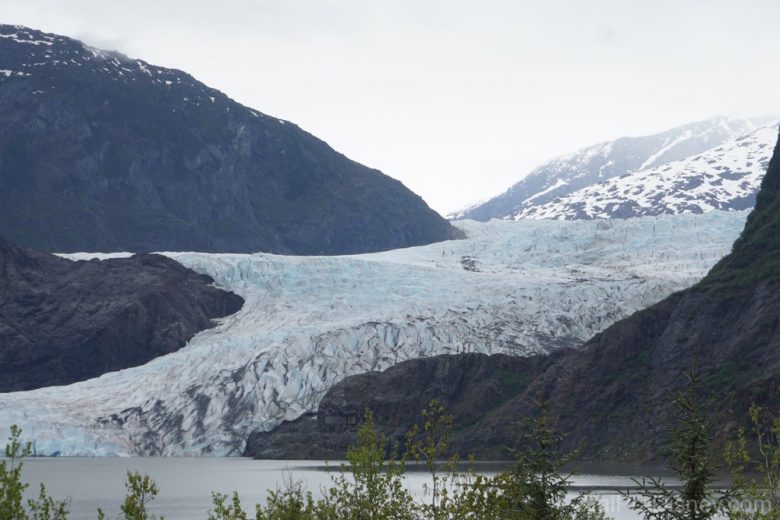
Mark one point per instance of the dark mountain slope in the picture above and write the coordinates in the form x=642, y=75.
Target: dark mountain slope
x=100, y=152
x=468, y=385
x=755, y=257
x=612, y=393
x=64, y=321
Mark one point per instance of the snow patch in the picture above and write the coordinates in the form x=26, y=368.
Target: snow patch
x=726, y=177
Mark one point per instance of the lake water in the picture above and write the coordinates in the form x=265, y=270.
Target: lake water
x=186, y=483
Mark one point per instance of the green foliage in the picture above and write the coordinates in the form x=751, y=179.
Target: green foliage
x=639, y=367
x=691, y=463
x=514, y=381
x=756, y=498
x=428, y=447
x=141, y=490
x=588, y=508
x=12, y=487
x=46, y=508
x=725, y=375
x=227, y=508
x=755, y=256
x=535, y=488
x=371, y=486
x=477, y=497
x=291, y=503
x=376, y=489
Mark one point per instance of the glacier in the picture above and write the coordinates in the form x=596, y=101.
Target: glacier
x=518, y=287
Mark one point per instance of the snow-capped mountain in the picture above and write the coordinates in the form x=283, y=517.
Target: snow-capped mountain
x=578, y=170
x=726, y=177
x=520, y=287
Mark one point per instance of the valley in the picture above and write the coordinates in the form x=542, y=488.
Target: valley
x=519, y=288
x=195, y=290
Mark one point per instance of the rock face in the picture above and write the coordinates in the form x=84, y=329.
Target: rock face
x=612, y=394
x=566, y=176
x=64, y=321
x=100, y=152
x=468, y=385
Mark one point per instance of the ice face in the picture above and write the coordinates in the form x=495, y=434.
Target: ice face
x=514, y=287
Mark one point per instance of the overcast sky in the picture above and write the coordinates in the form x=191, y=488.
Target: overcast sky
x=456, y=99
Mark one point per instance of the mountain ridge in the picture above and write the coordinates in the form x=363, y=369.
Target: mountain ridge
x=101, y=152
x=726, y=177
x=577, y=170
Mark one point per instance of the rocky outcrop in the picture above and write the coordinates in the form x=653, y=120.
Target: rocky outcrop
x=468, y=385
x=612, y=394
x=100, y=152
x=63, y=321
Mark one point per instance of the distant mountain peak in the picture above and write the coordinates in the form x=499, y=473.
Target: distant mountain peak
x=726, y=177
x=577, y=170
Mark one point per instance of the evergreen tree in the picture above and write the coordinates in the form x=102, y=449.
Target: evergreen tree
x=536, y=486
x=691, y=463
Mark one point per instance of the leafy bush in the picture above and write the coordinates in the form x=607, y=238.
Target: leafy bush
x=227, y=510
x=756, y=498
x=12, y=487
x=141, y=490
x=375, y=489
x=290, y=503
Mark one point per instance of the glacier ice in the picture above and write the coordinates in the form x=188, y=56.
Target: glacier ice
x=516, y=287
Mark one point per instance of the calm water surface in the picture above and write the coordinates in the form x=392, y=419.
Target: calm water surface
x=186, y=483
